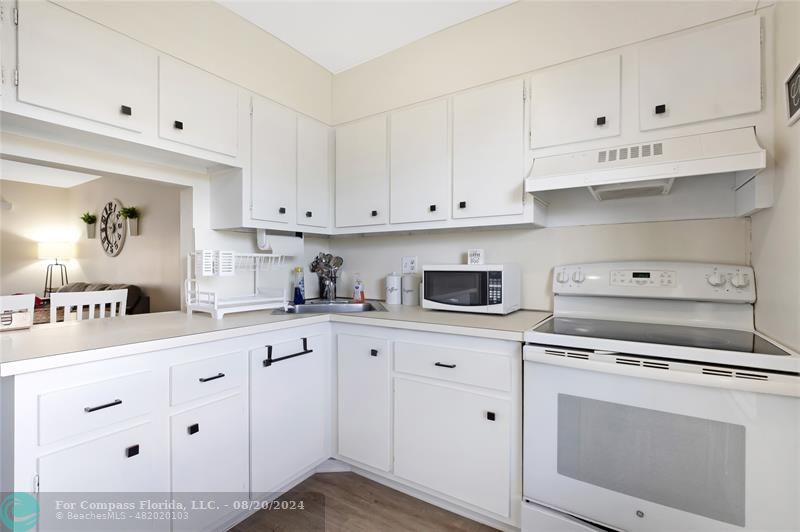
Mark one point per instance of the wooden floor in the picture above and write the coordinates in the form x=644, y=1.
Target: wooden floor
x=339, y=502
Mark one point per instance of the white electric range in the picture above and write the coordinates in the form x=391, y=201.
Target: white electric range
x=651, y=404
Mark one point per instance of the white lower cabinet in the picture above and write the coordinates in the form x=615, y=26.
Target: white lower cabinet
x=454, y=441
x=364, y=400
x=290, y=400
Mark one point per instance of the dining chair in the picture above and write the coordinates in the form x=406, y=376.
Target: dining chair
x=78, y=300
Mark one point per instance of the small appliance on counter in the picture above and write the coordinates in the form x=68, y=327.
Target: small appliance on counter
x=479, y=288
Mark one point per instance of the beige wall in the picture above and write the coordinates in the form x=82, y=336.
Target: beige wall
x=211, y=37
x=522, y=37
x=776, y=231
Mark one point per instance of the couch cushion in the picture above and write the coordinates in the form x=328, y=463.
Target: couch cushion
x=134, y=293
x=73, y=287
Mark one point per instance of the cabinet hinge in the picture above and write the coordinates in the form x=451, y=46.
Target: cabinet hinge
x=524, y=92
x=36, y=483
x=16, y=16
x=16, y=77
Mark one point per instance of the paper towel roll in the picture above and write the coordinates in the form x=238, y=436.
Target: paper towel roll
x=411, y=289
x=393, y=289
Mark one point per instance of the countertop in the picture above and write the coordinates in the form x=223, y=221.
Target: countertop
x=77, y=342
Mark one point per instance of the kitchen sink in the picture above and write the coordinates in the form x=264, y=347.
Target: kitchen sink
x=335, y=307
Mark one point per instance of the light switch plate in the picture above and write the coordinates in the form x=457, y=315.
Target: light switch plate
x=410, y=265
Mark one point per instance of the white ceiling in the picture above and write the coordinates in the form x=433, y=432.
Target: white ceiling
x=340, y=35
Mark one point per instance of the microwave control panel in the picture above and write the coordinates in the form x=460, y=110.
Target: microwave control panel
x=495, y=288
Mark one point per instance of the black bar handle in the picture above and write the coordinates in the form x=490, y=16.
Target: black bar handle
x=126, y=110
x=193, y=429
x=373, y=352
x=115, y=402
x=462, y=204
x=177, y=124
x=215, y=377
x=600, y=121
x=661, y=109
x=441, y=365
x=132, y=451
x=270, y=361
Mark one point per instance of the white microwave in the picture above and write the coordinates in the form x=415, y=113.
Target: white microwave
x=480, y=288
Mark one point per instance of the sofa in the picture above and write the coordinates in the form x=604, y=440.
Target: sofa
x=137, y=303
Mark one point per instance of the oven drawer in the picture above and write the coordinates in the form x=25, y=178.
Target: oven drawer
x=473, y=368
x=203, y=378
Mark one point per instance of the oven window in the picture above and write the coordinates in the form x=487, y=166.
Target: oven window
x=688, y=463
x=466, y=289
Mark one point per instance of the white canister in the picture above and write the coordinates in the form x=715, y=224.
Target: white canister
x=411, y=289
x=393, y=289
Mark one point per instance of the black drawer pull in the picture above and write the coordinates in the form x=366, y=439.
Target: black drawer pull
x=193, y=429
x=432, y=208
x=490, y=416
x=308, y=214
x=462, y=204
x=132, y=451
x=282, y=210
x=374, y=213
x=441, y=365
x=661, y=109
x=373, y=352
x=600, y=121
x=270, y=361
x=215, y=377
x=125, y=110
x=115, y=402
x=177, y=124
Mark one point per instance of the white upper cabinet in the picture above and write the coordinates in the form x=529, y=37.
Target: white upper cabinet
x=197, y=108
x=420, y=163
x=489, y=150
x=361, y=180
x=72, y=65
x=702, y=75
x=273, y=172
x=576, y=102
x=313, y=173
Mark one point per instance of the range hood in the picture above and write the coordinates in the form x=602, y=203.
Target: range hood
x=650, y=168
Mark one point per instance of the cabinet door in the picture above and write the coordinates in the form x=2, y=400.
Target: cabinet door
x=702, y=75
x=364, y=405
x=361, y=186
x=209, y=447
x=70, y=64
x=274, y=162
x=289, y=412
x=197, y=108
x=565, y=108
x=313, y=173
x=455, y=442
x=489, y=151
x=420, y=163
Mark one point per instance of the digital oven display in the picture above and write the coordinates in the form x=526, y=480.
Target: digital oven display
x=641, y=275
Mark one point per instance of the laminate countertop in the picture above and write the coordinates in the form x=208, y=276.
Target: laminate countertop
x=74, y=342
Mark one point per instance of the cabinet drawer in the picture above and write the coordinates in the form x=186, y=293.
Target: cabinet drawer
x=209, y=376
x=73, y=411
x=454, y=364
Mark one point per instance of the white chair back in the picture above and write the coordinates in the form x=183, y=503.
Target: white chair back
x=16, y=312
x=79, y=300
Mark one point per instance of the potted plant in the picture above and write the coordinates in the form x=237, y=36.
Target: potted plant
x=132, y=215
x=91, y=223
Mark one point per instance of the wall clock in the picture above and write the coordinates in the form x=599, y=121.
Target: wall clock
x=112, y=228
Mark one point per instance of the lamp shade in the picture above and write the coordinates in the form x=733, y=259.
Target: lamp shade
x=56, y=250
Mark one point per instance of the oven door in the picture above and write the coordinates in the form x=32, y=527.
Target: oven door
x=453, y=289
x=652, y=449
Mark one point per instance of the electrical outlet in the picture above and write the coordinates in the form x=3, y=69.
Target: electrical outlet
x=410, y=265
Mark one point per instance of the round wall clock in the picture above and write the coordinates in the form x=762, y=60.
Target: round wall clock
x=112, y=228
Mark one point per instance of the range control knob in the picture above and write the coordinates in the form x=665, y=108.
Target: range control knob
x=716, y=279
x=740, y=280
x=578, y=277
x=562, y=276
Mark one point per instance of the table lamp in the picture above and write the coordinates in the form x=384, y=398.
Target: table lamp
x=55, y=251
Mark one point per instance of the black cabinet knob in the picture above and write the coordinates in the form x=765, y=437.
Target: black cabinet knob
x=432, y=208
x=132, y=451
x=125, y=110
x=193, y=429
x=308, y=214
x=374, y=213
x=601, y=121
x=177, y=124
x=373, y=352
x=490, y=416
x=282, y=210
x=462, y=204
x=661, y=109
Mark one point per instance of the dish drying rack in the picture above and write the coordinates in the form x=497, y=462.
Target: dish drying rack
x=214, y=263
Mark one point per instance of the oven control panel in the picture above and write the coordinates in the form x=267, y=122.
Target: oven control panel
x=660, y=280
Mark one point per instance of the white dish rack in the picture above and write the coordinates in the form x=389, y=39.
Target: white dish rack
x=215, y=263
